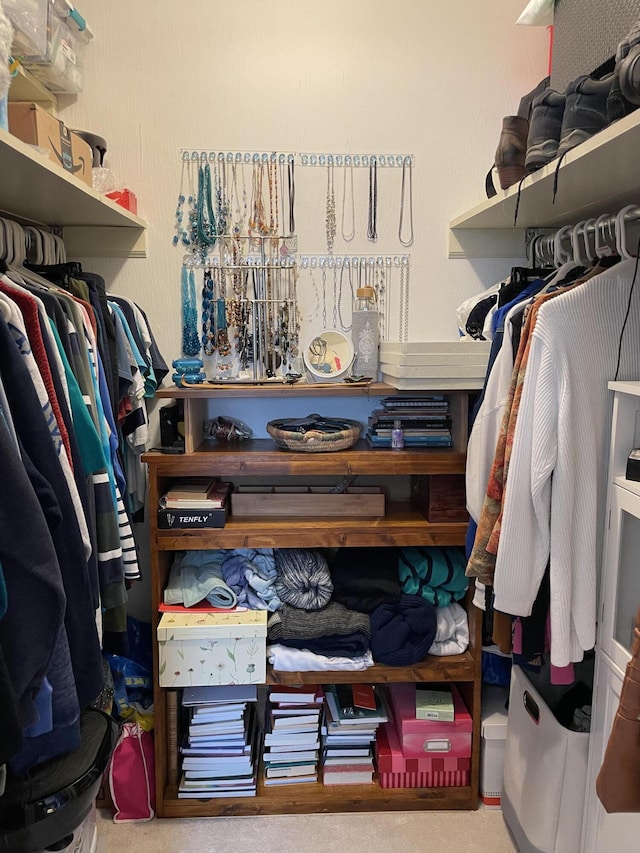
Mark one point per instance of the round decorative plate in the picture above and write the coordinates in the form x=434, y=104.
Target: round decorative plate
x=328, y=356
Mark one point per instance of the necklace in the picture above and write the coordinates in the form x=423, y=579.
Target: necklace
x=181, y=235
x=372, y=227
x=190, y=338
x=239, y=217
x=205, y=221
x=381, y=296
x=346, y=263
x=335, y=295
x=324, y=295
x=409, y=240
x=347, y=237
x=281, y=164
x=292, y=194
x=404, y=300
x=207, y=317
x=330, y=219
x=316, y=310
x=272, y=177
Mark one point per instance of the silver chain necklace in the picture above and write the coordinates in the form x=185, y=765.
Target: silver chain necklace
x=406, y=163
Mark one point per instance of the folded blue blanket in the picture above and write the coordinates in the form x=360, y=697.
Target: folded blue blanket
x=201, y=578
x=251, y=574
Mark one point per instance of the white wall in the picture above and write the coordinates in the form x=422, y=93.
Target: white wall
x=418, y=76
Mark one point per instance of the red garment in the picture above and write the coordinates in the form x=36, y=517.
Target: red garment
x=29, y=310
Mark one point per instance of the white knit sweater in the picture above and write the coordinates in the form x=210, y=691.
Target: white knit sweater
x=556, y=488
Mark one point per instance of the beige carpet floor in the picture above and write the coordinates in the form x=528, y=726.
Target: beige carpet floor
x=483, y=831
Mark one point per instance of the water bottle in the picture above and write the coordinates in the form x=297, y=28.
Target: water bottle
x=365, y=333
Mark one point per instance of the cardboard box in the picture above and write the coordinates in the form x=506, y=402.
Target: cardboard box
x=396, y=770
x=36, y=126
x=429, y=737
x=212, y=648
x=494, y=739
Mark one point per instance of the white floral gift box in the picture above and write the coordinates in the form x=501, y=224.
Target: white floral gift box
x=212, y=648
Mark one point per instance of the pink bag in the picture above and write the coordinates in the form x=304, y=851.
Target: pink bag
x=132, y=775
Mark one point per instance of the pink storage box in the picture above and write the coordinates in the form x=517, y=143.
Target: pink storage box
x=418, y=737
x=396, y=770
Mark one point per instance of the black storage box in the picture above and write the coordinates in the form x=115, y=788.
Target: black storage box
x=168, y=519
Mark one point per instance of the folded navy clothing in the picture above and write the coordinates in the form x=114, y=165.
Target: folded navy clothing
x=365, y=578
x=402, y=632
x=337, y=645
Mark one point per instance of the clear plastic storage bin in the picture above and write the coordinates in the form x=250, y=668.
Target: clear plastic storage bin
x=52, y=36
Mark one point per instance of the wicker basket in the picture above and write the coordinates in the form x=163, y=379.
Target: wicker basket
x=314, y=441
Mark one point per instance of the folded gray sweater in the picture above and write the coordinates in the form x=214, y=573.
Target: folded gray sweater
x=293, y=623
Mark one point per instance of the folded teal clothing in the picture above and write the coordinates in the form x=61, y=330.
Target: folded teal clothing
x=198, y=576
x=436, y=574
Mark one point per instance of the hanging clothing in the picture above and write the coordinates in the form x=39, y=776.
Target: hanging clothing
x=559, y=455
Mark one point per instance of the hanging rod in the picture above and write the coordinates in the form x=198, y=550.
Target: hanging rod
x=545, y=246
x=324, y=159
x=204, y=155
x=331, y=261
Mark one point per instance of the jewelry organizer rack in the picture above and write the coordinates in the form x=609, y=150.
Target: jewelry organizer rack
x=249, y=307
x=239, y=234
x=376, y=271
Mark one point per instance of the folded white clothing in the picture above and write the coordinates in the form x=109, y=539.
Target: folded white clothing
x=478, y=596
x=452, y=631
x=302, y=660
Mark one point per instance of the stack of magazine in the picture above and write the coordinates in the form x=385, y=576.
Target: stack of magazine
x=425, y=422
x=291, y=739
x=353, y=713
x=220, y=750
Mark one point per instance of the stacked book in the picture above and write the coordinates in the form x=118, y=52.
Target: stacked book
x=291, y=740
x=197, y=502
x=353, y=713
x=425, y=422
x=220, y=750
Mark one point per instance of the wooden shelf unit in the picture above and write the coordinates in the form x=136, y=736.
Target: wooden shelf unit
x=403, y=524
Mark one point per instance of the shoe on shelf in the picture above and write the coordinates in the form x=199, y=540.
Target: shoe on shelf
x=526, y=102
x=628, y=65
x=512, y=147
x=585, y=111
x=512, y=150
x=545, y=126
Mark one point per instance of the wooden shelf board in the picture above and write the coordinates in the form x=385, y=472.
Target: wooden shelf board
x=317, y=798
x=34, y=189
x=278, y=389
x=25, y=87
x=433, y=668
x=259, y=457
x=401, y=526
x=596, y=177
